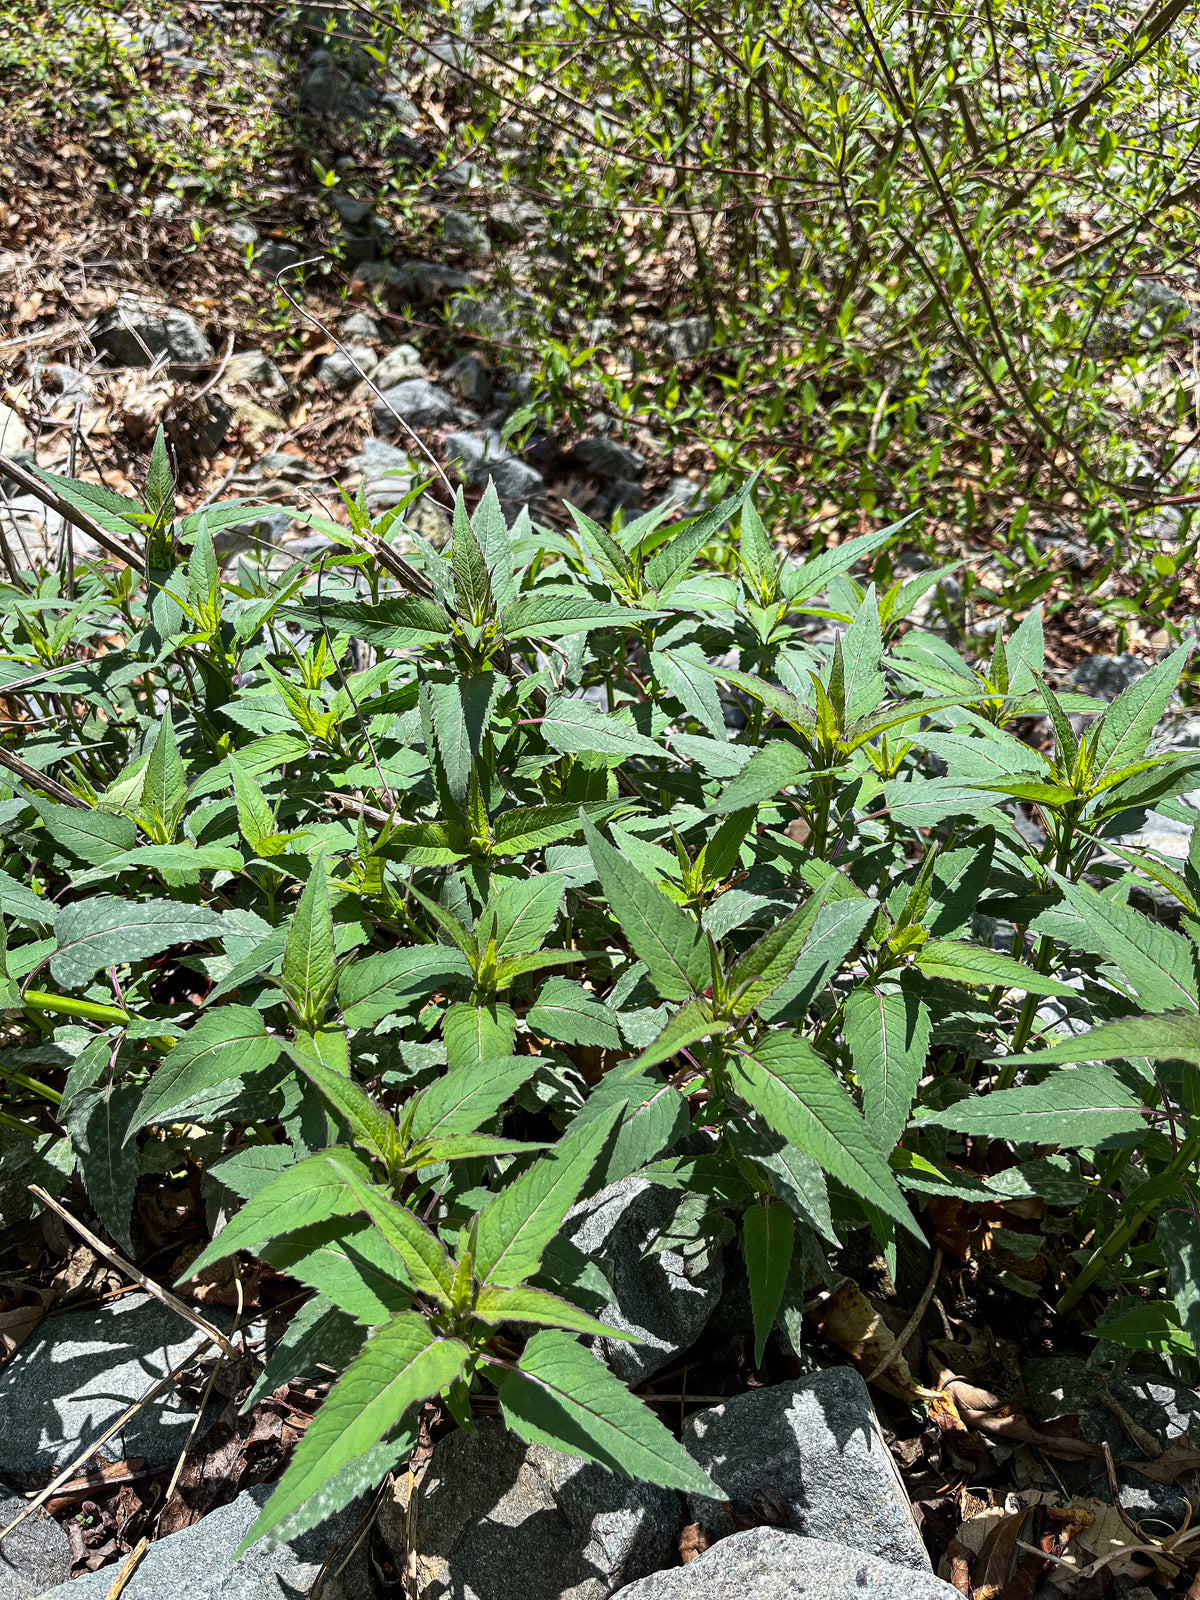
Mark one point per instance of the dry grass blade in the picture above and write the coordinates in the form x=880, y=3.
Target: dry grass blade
x=78, y=519
x=127, y=1569
x=39, y=780
x=81, y=1460
x=139, y=1277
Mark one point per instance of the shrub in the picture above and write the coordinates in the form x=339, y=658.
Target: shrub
x=443, y=889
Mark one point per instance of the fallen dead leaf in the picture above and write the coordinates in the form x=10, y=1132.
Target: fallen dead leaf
x=16, y=1325
x=848, y=1319
x=693, y=1542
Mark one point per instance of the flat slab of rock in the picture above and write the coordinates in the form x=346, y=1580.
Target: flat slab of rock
x=135, y=331
x=664, y=1298
x=77, y=1372
x=773, y=1564
x=416, y=401
x=35, y=1556
x=816, y=1446
x=197, y=1562
x=501, y=1520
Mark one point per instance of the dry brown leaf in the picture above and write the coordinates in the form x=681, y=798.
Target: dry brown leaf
x=693, y=1542
x=18, y=1324
x=1178, y=1457
x=848, y=1319
x=1004, y=1419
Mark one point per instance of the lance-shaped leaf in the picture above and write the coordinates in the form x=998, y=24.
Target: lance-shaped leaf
x=385, y=983
x=349, y=1261
x=979, y=964
x=95, y=837
x=561, y=1396
x=861, y=654
x=472, y=585
x=388, y=625
x=525, y=910
x=773, y=767
x=759, y=971
x=888, y=1036
x=165, y=782
x=534, y=827
x=662, y=933
x=466, y=1096
x=569, y=1014
x=1156, y=963
x=1074, y=1107
x=1171, y=1037
x=404, y=1363
x=227, y=1042
x=540, y=1306
x=768, y=1233
x=449, y=923
x=467, y=1147
x=576, y=727
x=108, y=1166
x=166, y=858
x=1127, y=726
x=808, y=578
x=422, y=1252
x=770, y=695
x=101, y=931
x=473, y=1034
x=612, y=563
x=309, y=1192
x=550, y=614
x=687, y=1026
x=516, y=1225
x=801, y=1097
x=461, y=710
x=369, y=1123
x=671, y=562
x=682, y=673
x=309, y=963
x=835, y=931
x=1180, y=1242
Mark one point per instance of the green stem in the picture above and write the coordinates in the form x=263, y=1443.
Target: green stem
x=1124, y=1232
x=20, y=1080
x=67, y=1006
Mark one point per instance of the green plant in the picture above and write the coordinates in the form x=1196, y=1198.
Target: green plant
x=566, y=926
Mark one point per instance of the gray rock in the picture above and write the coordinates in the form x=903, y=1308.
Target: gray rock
x=1105, y=677
x=135, y=331
x=492, y=316
x=276, y=255
x=401, y=107
x=1155, y=305
x=607, y=458
x=1065, y=1386
x=516, y=219
x=356, y=248
x=34, y=1556
x=350, y=210
x=817, y=1446
x=164, y=36
x=685, y=494
x=462, y=232
x=78, y=1371
x=471, y=378
x=398, y=365
x=515, y=482
x=419, y=403
x=425, y=281
x=501, y=1520
x=387, y=473
x=166, y=205
x=241, y=232
x=469, y=452
x=773, y=1564
x=341, y=369
x=257, y=369
x=688, y=338
x=279, y=464
x=330, y=91
x=664, y=1298
x=198, y=1562
x=361, y=325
